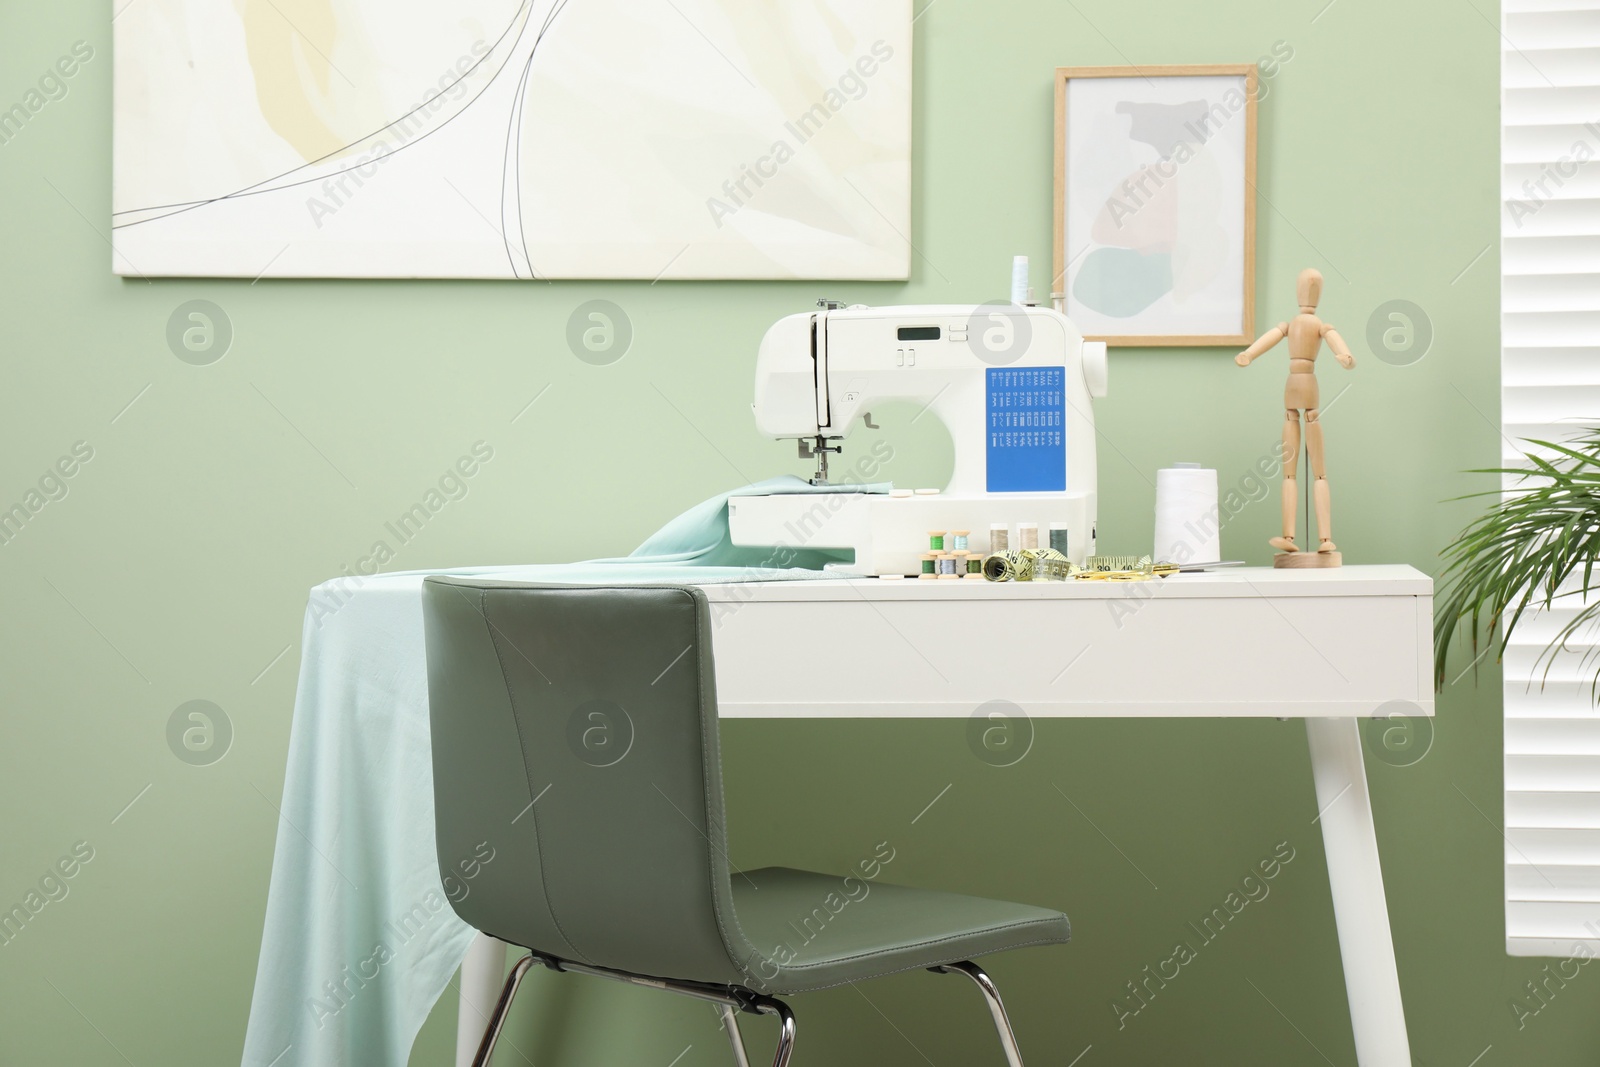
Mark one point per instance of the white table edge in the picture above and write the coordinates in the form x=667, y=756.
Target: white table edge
x=1329, y=709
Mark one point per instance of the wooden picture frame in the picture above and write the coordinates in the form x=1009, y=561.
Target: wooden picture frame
x=1188, y=227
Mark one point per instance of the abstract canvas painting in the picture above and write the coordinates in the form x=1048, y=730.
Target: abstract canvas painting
x=1155, y=203
x=527, y=139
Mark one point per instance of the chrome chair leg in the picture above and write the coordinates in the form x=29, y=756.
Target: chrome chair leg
x=498, y=1019
x=725, y=998
x=730, y=1023
x=768, y=1006
x=1002, y=1024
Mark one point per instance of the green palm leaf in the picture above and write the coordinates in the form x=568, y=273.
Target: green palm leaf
x=1521, y=551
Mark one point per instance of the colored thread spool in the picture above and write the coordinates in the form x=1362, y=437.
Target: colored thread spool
x=958, y=540
x=947, y=565
x=1058, y=537
x=974, y=565
x=928, y=564
x=999, y=537
x=936, y=540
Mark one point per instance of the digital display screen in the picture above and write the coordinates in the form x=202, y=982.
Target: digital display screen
x=919, y=333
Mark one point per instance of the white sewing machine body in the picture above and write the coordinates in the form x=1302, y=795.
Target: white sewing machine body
x=1012, y=384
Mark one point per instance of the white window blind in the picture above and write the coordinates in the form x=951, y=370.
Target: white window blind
x=1550, y=389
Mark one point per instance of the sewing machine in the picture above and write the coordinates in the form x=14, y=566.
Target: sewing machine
x=1011, y=383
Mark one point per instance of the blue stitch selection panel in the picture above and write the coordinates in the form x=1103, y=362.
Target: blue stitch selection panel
x=1026, y=411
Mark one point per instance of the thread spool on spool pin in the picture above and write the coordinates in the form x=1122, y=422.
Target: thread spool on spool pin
x=1019, y=280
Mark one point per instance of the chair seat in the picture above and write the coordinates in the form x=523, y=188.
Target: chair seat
x=822, y=930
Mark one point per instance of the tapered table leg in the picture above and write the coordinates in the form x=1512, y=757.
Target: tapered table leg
x=1359, y=906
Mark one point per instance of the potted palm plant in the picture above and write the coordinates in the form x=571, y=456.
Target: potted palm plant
x=1524, y=552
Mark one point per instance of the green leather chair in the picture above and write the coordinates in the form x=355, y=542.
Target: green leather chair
x=575, y=743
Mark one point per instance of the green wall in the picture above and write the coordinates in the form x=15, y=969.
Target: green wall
x=177, y=565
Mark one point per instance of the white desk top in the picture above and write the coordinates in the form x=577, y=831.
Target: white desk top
x=1365, y=580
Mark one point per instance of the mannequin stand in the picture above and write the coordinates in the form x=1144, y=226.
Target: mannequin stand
x=1307, y=560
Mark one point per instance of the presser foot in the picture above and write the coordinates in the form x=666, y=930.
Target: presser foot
x=819, y=451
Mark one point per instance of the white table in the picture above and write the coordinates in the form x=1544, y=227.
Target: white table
x=1331, y=647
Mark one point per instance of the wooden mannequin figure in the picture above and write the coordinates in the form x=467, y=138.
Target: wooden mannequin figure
x=1306, y=333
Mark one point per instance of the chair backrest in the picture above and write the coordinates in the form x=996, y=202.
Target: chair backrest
x=576, y=774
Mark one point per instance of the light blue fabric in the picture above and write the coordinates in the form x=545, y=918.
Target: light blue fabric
x=705, y=526
x=360, y=940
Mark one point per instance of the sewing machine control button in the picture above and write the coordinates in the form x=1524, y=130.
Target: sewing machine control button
x=851, y=398
x=911, y=357
x=899, y=357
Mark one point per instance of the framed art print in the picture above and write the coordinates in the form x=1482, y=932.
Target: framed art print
x=1155, y=203
x=532, y=139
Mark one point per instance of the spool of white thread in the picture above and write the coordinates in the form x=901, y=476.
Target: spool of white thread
x=1188, y=523
x=1019, y=279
